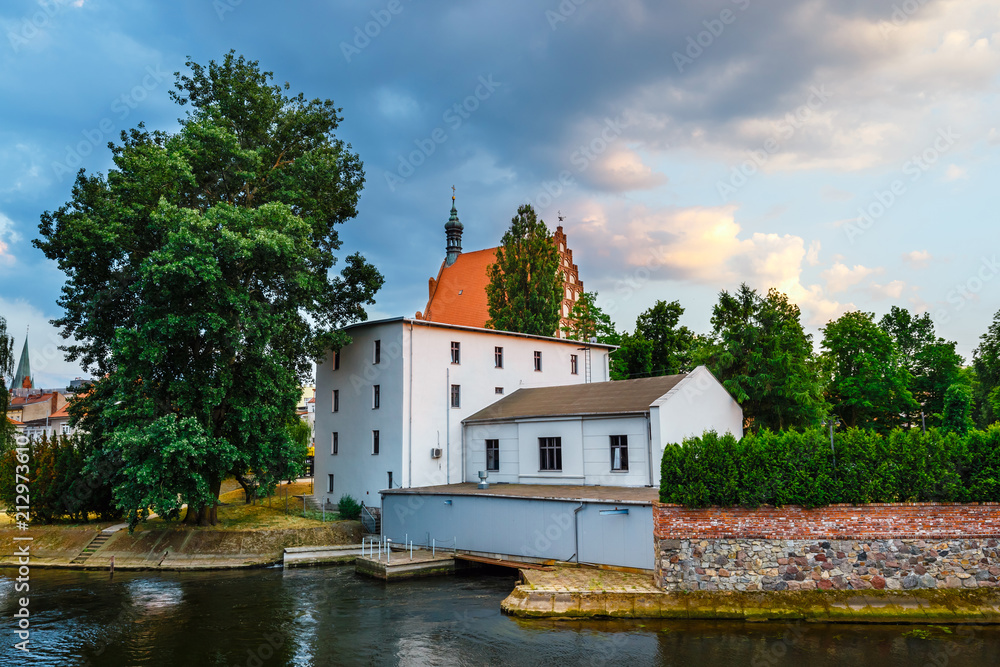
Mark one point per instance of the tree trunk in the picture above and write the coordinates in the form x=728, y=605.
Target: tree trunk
x=249, y=489
x=191, y=517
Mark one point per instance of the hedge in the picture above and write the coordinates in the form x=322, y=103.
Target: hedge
x=798, y=468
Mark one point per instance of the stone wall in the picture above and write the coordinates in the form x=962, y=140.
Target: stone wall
x=895, y=547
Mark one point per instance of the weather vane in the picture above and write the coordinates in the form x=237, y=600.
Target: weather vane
x=560, y=216
x=453, y=192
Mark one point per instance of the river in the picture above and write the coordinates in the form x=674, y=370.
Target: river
x=330, y=616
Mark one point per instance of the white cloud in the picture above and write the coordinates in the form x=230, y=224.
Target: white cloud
x=917, y=259
x=892, y=290
x=954, y=173
x=840, y=277
x=8, y=235
x=813, y=255
x=48, y=364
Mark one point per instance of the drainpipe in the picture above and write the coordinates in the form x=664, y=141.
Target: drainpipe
x=576, y=532
x=447, y=425
x=649, y=440
x=409, y=437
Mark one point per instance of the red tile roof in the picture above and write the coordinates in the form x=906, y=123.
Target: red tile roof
x=458, y=296
x=61, y=412
x=14, y=421
x=21, y=401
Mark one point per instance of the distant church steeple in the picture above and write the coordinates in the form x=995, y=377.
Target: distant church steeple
x=453, y=229
x=22, y=378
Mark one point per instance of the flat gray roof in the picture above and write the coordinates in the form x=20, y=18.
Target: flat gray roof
x=627, y=495
x=445, y=325
x=594, y=398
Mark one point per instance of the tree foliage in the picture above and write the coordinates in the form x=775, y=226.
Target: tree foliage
x=762, y=356
x=199, y=285
x=6, y=371
x=525, y=287
x=986, y=362
x=869, y=383
x=588, y=321
x=671, y=344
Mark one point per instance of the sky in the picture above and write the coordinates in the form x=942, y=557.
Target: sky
x=844, y=152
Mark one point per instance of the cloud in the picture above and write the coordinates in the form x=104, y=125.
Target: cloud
x=954, y=173
x=917, y=259
x=8, y=235
x=48, y=363
x=622, y=170
x=892, y=290
x=812, y=256
x=840, y=277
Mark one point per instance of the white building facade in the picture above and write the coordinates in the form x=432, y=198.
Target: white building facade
x=390, y=405
x=606, y=434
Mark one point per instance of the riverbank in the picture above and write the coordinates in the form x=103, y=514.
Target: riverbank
x=169, y=546
x=579, y=593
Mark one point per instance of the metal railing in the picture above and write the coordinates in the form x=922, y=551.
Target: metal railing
x=371, y=520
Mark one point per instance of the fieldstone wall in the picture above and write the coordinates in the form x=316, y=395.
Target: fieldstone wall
x=844, y=547
x=777, y=565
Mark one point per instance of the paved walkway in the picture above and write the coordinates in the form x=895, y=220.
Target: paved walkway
x=588, y=580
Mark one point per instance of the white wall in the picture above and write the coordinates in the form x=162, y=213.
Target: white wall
x=415, y=376
x=697, y=404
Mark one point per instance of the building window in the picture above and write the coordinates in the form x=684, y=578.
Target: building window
x=456, y=396
x=456, y=352
x=329, y=483
x=377, y=356
x=336, y=400
x=573, y=367
x=619, y=452
x=498, y=357
x=65, y=429
x=492, y=455
x=538, y=360
x=335, y=443
x=376, y=397
x=336, y=360
x=550, y=454
x=498, y=391
x=374, y=443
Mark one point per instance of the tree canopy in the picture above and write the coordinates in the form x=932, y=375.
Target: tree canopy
x=199, y=285
x=588, y=321
x=762, y=356
x=986, y=362
x=525, y=287
x=6, y=370
x=671, y=344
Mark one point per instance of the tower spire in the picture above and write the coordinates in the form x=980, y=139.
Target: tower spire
x=453, y=231
x=22, y=378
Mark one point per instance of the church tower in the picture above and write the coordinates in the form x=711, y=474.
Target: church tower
x=453, y=229
x=22, y=378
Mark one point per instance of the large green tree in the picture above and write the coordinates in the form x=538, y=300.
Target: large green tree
x=6, y=371
x=764, y=358
x=525, y=287
x=986, y=362
x=671, y=352
x=932, y=362
x=200, y=285
x=868, y=382
x=588, y=321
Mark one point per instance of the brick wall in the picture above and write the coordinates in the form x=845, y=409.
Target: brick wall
x=876, y=521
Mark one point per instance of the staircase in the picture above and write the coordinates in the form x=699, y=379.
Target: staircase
x=371, y=520
x=92, y=547
x=311, y=503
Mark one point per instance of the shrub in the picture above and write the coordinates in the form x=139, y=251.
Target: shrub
x=799, y=468
x=348, y=507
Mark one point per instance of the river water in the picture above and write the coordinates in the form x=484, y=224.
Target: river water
x=330, y=616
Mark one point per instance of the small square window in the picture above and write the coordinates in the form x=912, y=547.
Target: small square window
x=377, y=354
x=498, y=390
x=336, y=400
x=538, y=360
x=456, y=352
x=498, y=357
x=374, y=443
x=492, y=455
x=456, y=396
x=335, y=443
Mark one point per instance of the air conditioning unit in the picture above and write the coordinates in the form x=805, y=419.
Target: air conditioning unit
x=435, y=453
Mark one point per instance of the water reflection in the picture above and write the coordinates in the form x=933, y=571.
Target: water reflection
x=332, y=617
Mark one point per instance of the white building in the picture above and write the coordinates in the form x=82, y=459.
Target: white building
x=389, y=406
x=606, y=433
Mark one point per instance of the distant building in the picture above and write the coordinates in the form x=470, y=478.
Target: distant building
x=458, y=294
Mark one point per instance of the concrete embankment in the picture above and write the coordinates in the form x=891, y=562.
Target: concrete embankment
x=586, y=593
x=169, y=547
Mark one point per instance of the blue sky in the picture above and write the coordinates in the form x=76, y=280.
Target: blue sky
x=844, y=152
